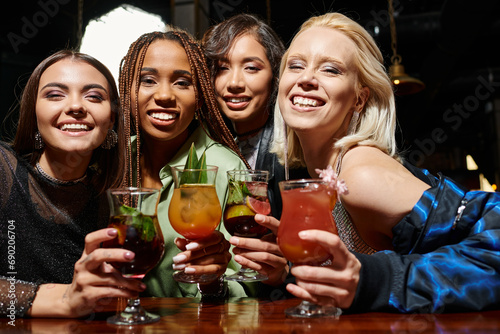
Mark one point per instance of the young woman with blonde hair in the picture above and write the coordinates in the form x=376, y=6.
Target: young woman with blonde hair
x=407, y=241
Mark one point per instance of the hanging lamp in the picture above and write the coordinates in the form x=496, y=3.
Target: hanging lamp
x=402, y=82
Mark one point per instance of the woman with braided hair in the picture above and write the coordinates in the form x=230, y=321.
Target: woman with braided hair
x=169, y=103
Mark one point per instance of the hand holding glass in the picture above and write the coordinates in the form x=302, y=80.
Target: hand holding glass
x=307, y=204
x=133, y=215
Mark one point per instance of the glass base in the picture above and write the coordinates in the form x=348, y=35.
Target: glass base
x=133, y=314
x=309, y=310
x=247, y=275
x=182, y=277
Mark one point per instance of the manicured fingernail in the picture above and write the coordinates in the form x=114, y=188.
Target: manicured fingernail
x=303, y=234
x=189, y=270
x=128, y=255
x=192, y=245
x=112, y=232
x=179, y=258
x=178, y=266
x=234, y=241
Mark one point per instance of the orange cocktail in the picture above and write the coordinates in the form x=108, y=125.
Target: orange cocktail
x=307, y=204
x=195, y=210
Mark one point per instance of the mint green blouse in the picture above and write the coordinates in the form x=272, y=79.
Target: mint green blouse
x=159, y=281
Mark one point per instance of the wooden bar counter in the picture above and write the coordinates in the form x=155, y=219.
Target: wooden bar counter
x=250, y=315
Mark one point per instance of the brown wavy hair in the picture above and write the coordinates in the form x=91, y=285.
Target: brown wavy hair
x=109, y=164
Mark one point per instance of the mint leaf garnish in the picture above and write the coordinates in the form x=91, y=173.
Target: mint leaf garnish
x=143, y=224
x=235, y=193
x=192, y=162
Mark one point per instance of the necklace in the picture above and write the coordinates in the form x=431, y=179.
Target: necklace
x=53, y=179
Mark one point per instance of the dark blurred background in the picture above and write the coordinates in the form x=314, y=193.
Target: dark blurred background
x=450, y=45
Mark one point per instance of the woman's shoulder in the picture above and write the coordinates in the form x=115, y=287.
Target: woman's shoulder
x=7, y=154
x=373, y=176
x=369, y=161
x=381, y=191
x=6, y=147
x=370, y=171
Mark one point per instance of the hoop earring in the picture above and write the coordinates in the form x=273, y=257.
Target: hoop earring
x=353, y=124
x=39, y=144
x=110, y=140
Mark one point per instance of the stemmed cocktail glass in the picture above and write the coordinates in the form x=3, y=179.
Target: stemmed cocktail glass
x=307, y=204
x=133, y=215
x=195, y=210
x=247, y=196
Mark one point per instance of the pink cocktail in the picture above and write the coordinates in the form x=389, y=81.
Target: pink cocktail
x=307, y=205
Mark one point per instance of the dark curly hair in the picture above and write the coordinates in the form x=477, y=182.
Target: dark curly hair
x=218, y=39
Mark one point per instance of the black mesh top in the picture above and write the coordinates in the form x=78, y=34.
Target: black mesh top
x=42, y=227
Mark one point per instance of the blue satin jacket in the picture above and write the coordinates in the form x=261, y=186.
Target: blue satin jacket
x=446, y=255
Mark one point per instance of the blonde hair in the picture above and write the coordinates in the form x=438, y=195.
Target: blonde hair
x=377, y=121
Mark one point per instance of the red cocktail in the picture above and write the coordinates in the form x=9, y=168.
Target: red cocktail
x=141, y=238
x=133, y=215
x=307, y=205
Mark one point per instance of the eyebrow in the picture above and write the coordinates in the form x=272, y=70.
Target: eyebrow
x=322, y=59
x=155, y=71
x=65, y=87
x=245, y=60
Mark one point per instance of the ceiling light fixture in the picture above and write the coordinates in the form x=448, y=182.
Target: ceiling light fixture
x=403, y=83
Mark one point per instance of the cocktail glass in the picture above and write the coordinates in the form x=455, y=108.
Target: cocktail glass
x=307, y=204
x=194, y=210
x=133, y=215
x=247, y=196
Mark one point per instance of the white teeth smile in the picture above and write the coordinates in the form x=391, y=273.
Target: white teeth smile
x=237, y=99
x=304, y=102
x=163, y=116
x=70, y=127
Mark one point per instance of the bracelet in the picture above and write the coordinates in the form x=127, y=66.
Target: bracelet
x=220, y=293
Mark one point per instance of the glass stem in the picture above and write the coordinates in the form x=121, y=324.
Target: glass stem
x=134, y=307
